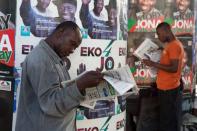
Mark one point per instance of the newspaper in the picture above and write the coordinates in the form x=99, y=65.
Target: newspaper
x=116, y=83
x=121, y=79
x=148, y=50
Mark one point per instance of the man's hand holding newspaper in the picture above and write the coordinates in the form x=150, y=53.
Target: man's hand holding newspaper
x=117, y=82
x=149, y=52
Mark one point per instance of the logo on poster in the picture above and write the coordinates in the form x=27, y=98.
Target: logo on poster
x=147, y=24
x=25, y=30
x=142, y=72
x=5, y=48
x=144, y=24
x=120, y=124
x=26, y=49
x=106, y=61
x=122, y=51
x=5, y=85
x=183, y=26
x=84, y=33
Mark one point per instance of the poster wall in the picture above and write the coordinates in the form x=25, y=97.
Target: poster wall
x=145, y=17
x=103, y=46
x=37, y=26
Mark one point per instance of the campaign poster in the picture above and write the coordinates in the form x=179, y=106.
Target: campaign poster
x=103, y=46
x=41, y=21
x=34, y=25
x=6, y=102
x=7, y=51
x=7, y=34
x=105, y=55
x=144, y=16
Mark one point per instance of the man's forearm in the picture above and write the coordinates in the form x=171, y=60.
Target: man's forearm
x=26, y=12
x=84, y=15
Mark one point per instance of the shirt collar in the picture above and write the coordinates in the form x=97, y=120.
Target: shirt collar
x=51, y=52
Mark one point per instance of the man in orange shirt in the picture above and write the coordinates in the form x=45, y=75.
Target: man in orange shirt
x=168, y=79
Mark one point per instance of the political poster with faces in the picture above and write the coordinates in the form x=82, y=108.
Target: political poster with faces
x=32, y=24
x=104, y=38
x=144, y=16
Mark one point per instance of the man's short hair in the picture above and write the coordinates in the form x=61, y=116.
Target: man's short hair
x=59, y=2
x=67, y=25
x=164, y=25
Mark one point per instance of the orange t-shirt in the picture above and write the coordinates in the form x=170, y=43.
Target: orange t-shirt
x=166, y=80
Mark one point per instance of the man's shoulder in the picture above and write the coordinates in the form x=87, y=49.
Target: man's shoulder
x=175, y=44
x=37, y=54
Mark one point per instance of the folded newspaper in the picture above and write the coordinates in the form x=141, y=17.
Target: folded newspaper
x=116, y=83
x=148, y=50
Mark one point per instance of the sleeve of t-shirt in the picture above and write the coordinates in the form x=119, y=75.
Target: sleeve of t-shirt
x=174, y=51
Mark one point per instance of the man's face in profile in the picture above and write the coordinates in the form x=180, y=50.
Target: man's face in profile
x=112, y=16
x=146, y=5
x=182, y=5
x=43, y=3
x=160, y=34
x=99, y=6
x=67, y=11
x=68, y=41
